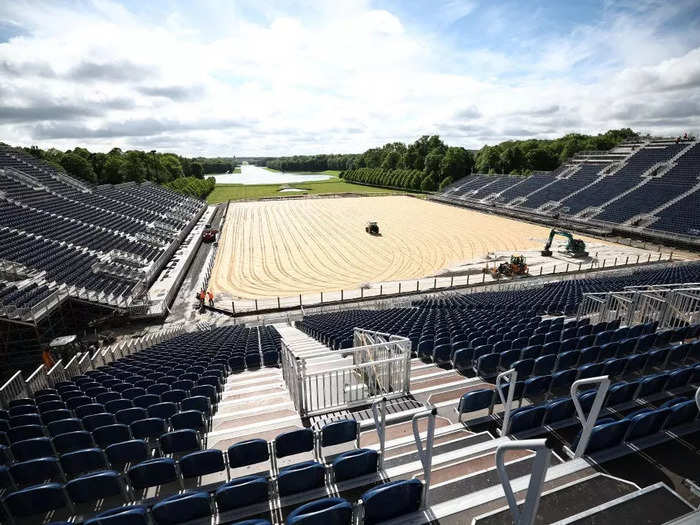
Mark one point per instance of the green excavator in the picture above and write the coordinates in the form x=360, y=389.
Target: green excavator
x=574, y=248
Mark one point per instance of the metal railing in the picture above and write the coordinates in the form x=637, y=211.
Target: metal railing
x=669, y=307
x=42, y=377
x=379, y=368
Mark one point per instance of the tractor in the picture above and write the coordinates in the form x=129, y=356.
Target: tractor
x=372, y=228
x=574, y=248
x=516, y=266
x=209, y=235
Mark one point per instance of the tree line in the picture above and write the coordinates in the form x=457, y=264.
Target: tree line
x=119, y=166
x=428, y=164
x=192, y=186
x=312, y=162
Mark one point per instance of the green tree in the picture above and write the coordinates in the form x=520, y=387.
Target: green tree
x=78, y=167
x=134, y=168
x=112, y=173
x=197, y=170
x=456, y=163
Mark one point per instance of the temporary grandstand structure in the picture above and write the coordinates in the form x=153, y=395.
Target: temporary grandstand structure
x=649, y=187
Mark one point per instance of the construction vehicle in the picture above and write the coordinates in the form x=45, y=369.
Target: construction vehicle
x=516, y=266
x=574, y=248
x=372, y=228
x=209, y=235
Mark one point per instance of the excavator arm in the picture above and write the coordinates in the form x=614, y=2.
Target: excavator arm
x=575, y=247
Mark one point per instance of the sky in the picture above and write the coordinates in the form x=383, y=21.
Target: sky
x=282, y=77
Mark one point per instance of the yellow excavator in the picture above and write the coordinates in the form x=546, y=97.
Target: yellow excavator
x=574, y=248
x=516, y=266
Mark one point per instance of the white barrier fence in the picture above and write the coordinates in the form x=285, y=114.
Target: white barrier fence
x=379, y=366
x=43, y=377
x=670, y=307
x=431, y=284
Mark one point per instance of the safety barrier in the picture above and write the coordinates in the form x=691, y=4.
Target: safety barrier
x=43, y=377
x=407, y=289
x=669, y=306
x=379, y=366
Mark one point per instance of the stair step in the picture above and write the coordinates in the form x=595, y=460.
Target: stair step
x=568, y=500
x=652, y=505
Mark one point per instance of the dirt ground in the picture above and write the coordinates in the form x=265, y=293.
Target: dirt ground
x=283, y=248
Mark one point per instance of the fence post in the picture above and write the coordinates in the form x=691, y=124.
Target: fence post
x=567, y=268
x=299, y=299
x=381, y=287
x=637, y=259
x=627, y=260
x=659, y=255
x=278, y=302
x=603, y=263
x=233, y=307
x=417, y=285
x=483, y=278
x=362, y=292
x=467, y=278
x=579, y=266
x=540, y=270
x=615, y=263
x=452, y=280
x=321, y=297
x=554, y=270
x=341, y=295
x=649, y=258
x=256, y=305
x=670, y=256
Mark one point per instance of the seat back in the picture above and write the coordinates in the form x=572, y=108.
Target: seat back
x=241, y=492
x=354, y=463
x=329, y=511
x=392, y=500
x=181, y=508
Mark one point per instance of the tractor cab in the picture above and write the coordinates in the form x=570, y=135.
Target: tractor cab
x=372, y=228
x=65, y=347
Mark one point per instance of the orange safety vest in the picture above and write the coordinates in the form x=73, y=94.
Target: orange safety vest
x=201, y=295
x=211, y=295
x=48, y=360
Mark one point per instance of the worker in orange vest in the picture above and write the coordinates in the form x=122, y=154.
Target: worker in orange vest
x=47, y=358
x=202, y=296
x=211, y=298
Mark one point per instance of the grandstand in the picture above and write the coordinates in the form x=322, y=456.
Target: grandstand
x=551, y=400
x=62, y=239
x=645, y=187
x=568, y=397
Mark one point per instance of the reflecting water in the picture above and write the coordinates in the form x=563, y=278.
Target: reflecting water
x=256, y=175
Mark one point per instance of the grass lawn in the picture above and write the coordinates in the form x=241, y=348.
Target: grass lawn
x=224, y=192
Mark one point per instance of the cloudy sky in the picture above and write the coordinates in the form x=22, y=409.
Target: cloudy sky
x=251, y=77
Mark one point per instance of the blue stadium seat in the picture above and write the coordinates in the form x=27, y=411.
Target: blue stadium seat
x=127, y=453
x=392, y=500
x=462, y=360
x=524, y=367
x=651, y=385
x=36, y=471
x=63, y=426
x=201, y=463
x=544, y=365
x=55, y=415
x=110, y=434
x=250, y=452
x=72, y=441
x=682, y=413
x=181, y=508
x=164, y=410
x=300, y=477
x=626, y=347
x=180, y=441
x=94, y=486
x=327, y=511
x=679, y=378
x=146, y=400
x=526, y=419
x=294, y=442
x=188, y=419
x=241, y=492
x=487, y=365
x=37, y=499
x=646, y=422
x=476, y=400
x=354, y=463
x=95, y=421
x=537, y=386
x=153, y=472
x=85, y=460
x=607, y=435
x=338, y=432
x=32, y=448
x=558, y=410
x=131, y=515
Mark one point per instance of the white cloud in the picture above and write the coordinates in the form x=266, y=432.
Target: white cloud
x=316, y=77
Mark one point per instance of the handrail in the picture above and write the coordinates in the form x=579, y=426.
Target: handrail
x=425, y=454
x=589, y=422
x=379, y=414
x=543, y=453
x=512, y=376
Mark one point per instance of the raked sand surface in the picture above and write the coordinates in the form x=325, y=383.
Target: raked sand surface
x=287, y=247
